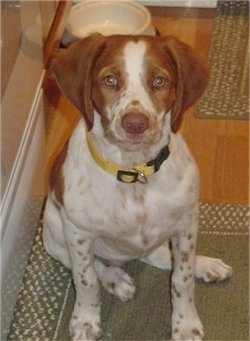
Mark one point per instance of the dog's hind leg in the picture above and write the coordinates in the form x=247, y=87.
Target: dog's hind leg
x=115, y=280
x=160, y=258
x=206, y=268
x=212, y=269
x=53, y=235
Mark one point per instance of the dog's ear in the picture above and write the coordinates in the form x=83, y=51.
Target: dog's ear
x=72, y=70
x=192, y=76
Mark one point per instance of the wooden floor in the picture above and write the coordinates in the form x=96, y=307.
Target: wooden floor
x=219, y=147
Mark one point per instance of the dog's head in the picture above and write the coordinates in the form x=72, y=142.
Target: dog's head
x=132, y=82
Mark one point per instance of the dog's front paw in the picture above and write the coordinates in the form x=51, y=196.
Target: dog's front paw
x=82, y=331
x=212, y=269
x=119, y=283
x=187, y=329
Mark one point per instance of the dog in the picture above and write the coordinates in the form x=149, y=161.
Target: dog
x=126, y=184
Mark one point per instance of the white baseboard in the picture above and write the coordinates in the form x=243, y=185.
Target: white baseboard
x=16, y=235
x=180, y=3
x=176, y=3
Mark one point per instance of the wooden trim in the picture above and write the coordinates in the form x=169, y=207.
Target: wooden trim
x=51, y=90
x=56, y=31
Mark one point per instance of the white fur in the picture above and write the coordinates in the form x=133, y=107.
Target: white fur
x=134, y=67
x=105, y=221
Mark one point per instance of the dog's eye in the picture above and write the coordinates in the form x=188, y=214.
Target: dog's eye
x=158, y=82
x=111, y=81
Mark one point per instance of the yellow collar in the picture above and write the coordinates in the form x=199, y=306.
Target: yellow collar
x=137, y=173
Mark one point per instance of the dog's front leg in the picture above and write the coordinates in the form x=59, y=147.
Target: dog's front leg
x=186, y=324
x=85, y=321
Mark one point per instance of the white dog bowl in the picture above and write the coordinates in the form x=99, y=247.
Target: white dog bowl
x=107, y=17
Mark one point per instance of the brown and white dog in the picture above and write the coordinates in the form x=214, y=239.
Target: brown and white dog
x=126, y=183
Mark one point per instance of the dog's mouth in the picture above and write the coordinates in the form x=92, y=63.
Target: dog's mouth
x=132, y=141
x=134, y=130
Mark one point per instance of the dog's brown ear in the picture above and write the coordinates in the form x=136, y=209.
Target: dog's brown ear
x=72, y=70
x=192, y=76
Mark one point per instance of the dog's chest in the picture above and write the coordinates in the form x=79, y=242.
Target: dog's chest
x=132, y=217
x=129, y=219
x=109, y=205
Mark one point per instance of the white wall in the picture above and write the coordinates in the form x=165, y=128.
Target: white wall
x=18, y=220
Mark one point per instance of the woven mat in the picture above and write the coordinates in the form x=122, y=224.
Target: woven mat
x=46, y=300
x=227, y=96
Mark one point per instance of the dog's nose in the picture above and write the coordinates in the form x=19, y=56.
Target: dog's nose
x=134, y=123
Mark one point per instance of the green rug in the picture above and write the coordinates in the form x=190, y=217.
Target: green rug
x=227, y=96
x=46, y=300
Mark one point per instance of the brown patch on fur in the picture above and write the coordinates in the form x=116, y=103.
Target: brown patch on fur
x=72, y=68
x=213, y=277
x=192, y=76
x=135, y=102
x=185, y=278
x=56, y=176
x=196, y=332
x=145, y=240
x=111, y=285
x=184, y=257
x=84, y=282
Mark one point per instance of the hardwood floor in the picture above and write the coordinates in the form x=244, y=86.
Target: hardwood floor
x=220, y=147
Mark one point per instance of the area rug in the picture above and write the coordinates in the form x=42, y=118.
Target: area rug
x=227, y=95
x=46, y=300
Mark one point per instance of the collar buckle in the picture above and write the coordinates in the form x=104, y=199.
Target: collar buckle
x=127, y=177
x=141, y=176
x=133, y=176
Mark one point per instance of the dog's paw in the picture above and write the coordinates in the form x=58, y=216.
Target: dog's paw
x=85, y=331
x=212, y=269
x=187, y=329
x=119, y=283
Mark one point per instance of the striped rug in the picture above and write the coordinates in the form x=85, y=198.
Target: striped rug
x=46, y=300
x=227, y=96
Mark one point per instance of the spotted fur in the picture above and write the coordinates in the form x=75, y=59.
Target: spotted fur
x=132, y=92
